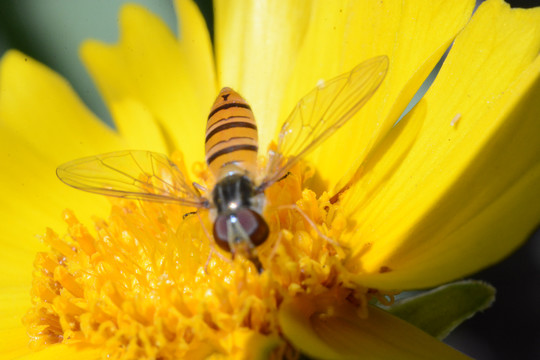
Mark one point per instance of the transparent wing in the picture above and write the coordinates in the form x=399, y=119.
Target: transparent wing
x=134, y=174
x=321, y=112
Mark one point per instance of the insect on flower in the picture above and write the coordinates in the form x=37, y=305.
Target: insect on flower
x=237, y=200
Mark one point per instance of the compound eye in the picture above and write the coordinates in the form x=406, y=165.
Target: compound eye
x=220, y=232
x=254, y=225
x=251, y=222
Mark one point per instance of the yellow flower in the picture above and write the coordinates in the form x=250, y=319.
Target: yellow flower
x=446, y=192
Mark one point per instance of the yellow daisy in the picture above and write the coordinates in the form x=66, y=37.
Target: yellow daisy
x=446, y=192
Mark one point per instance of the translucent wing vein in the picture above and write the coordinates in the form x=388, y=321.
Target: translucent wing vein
x=321, y=112
x=134, y=174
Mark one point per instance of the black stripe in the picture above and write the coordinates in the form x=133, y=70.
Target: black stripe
x=230, y=149
x=229, y=139
x=230, y=125
x=230, y=117
x=227, y=106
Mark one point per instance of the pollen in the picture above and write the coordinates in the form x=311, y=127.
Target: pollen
x=149, y=283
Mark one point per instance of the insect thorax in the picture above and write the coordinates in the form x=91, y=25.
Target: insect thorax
x=233, y=192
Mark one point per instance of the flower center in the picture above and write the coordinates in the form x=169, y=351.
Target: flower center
x=150, y=283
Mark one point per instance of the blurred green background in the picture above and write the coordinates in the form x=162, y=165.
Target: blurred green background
x=51, y=31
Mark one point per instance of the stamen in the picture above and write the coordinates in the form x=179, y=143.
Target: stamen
x=309, y=221
x=146, y=283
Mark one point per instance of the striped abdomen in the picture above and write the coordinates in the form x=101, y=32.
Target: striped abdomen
x=231, y=134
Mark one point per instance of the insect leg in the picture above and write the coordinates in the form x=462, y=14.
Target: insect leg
x=284, y=176
x=198, y=187
x=188, y=214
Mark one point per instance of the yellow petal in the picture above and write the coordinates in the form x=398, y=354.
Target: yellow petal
x=14, y=302
x=256, y=47
x=41, y=107
x=33, y=199
x=151, y=68
x=461, y=199
x=196, y=50
x=413, y=34
x=138, y=127
x=274, y=62
x=61, y=351
x=324, y=330
x=246, y=344
x=43, y=124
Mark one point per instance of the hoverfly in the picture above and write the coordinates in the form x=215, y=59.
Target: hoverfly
x=231, y=144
